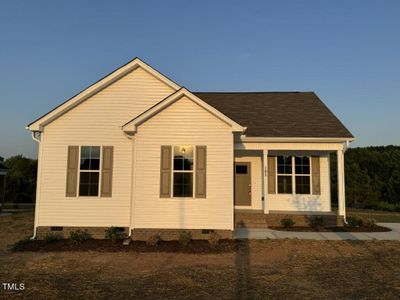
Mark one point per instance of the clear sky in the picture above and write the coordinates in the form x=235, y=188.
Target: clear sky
x=347, y=51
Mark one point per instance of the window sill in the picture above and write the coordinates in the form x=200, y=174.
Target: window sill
x=89, y=198
x=181, y=198
x=290, y=194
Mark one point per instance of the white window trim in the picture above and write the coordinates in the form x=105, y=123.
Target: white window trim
x=293, y=175
x=100, y=168
x=287, y=175
x=184, y=171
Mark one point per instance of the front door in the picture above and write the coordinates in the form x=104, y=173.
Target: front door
x=243, y=183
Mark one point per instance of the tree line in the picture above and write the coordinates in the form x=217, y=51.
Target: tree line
x=372, y=178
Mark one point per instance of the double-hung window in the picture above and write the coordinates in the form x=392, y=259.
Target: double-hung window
x=293, y=169
x=183, y=171
x=302, y=173
x=284, y=174
x=89, y=171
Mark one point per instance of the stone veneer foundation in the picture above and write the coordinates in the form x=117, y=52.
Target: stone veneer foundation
x=95, y=232
x=245, y=219
x=143, y=234
x=138, y=234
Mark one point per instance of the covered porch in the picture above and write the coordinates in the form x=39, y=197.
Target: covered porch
x=275, y=180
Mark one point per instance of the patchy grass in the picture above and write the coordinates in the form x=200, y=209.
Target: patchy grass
x=259, y=269
x=379, y=216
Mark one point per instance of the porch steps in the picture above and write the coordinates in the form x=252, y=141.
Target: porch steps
x=250, y=219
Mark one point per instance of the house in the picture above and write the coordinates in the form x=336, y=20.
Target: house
x=137, y=151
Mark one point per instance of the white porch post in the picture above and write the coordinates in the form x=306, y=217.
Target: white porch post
x=265, y=177
x=340, y=183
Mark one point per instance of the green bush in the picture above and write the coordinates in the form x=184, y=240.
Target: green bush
x=52, y=237
x=114, y=234
x=213, y=239
x=79, y=236
x=354, y=221
x=287, y=222
x=383, y=206
x=369, y=222
x=185, y=238
x=316, y=221
x=153, y=240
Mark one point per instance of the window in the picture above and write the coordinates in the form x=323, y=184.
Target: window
x=240, y=169
x=284, y=174
x=89, y=171
x=183, y=171
x=295, y=169
x=302, y=170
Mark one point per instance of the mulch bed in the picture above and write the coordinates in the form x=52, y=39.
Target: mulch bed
x=195, y=246
x=334, y=229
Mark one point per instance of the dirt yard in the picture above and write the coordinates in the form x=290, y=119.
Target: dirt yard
x=285, y=269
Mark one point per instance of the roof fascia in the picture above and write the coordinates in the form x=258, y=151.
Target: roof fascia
x=131, y=126
x=246, y=139
x=39, y=124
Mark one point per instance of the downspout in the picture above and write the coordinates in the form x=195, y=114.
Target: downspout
x=34, y=137
x=132, y=182
x=38, y=172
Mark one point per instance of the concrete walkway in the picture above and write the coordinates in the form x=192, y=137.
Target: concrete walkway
x=248, y=233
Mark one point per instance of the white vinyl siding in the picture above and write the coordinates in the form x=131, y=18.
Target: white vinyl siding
x=97, y=121
x=305, y=202
x=184, y=123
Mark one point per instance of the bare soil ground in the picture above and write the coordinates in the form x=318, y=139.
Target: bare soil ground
x=283, y=269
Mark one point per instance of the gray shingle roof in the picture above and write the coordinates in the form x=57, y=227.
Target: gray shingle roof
x=278, y=114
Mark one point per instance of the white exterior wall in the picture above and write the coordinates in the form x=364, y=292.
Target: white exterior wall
x=287, y=202
x=96, y=121
x=256, y=181
x=184, y=123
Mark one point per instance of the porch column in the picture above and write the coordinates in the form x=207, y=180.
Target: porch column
x=265, y=177
x=341, y=183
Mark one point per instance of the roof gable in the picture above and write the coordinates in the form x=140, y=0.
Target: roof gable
x=64, y=107
x=131, y=126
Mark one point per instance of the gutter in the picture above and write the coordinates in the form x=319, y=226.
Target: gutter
x=251, y=139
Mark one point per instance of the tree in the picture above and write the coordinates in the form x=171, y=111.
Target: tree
x=373, y=177
x=21, y=179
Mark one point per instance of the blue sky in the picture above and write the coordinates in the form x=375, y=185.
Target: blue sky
x=348, y=52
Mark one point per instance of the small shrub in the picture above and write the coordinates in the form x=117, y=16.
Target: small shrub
x=213, y=239
x=79, y=236
x=114, y=234
x=369, y=222
x=185, y=238
x=287, y=222
x=316, y=221
x=354, y=221
x=52, y=237
x=153, y=240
